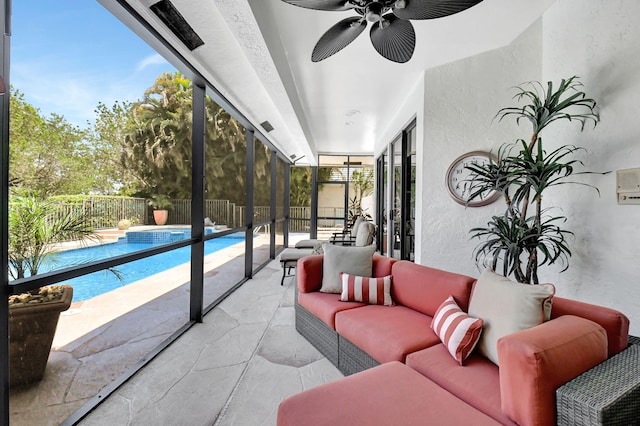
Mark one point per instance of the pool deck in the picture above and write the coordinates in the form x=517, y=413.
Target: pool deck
x=99, y=339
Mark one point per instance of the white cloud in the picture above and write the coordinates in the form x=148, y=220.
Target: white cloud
x=155, y=59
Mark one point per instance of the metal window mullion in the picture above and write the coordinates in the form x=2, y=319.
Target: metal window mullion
x=404, y=254
x=4, y=216
x=287, y=202
x=313, y=227
x=272, y=204
x=248, y=213
x=198, y=141
x=390, y=200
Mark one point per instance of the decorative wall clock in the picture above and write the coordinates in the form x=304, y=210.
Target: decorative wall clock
x=457, y=176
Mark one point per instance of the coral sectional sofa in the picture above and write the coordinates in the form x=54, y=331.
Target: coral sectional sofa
x=509, y=378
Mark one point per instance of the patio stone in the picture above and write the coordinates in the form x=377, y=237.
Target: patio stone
x=260, y=390
x=283, y=345
x=234, y=368
x=319, y=372
x=234, y=348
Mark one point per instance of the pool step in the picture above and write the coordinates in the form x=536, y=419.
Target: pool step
x=111, y=235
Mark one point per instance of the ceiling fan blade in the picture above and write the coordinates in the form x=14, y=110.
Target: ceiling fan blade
x=395, y=41
x=338, y=37
x=431, y=9
x=331, y=5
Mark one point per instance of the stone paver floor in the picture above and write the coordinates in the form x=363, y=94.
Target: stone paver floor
x=233, y=369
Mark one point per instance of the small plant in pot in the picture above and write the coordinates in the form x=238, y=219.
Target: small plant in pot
x=35, y=228
x=160, y=205
x=529, y=235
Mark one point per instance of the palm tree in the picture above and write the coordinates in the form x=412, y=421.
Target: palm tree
x=35, y=228
x=157, y=147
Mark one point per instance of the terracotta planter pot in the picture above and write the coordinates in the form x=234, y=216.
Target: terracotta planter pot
x=160, y=216
x=31, y=331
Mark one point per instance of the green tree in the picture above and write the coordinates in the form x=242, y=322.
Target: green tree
x=300, y=187
x=362, y=181
x=48, y=155
x=157, y=147
x=107, y=141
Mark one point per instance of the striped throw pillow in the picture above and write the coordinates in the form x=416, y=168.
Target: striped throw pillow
x=458, y=331
x=374, y=291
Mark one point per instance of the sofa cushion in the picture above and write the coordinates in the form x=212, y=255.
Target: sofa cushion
x=373, y=291
x=506, y=307
x=477, y=382
x=390, y=394
x=424, y=289
x=387, y=333
x=352, y=260
x=458, y=331
x=366, y=233
x=356, y=225
x=325, y=306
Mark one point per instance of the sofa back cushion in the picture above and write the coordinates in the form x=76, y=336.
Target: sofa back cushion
x=366, y=233
x=424, y=289
x=352, y=260
x=309, y=271
x=614, y=323
x=506, y=307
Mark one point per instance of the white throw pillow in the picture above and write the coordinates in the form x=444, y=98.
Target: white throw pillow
x=351, y=260
x=506, y=307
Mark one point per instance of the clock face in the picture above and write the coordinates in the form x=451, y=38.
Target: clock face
x=458, y=183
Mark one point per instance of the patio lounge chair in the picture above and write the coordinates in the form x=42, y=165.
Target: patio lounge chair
x=345, y=237
x=290, y=256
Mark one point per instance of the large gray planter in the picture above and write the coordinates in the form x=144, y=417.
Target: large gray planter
x=31, y=331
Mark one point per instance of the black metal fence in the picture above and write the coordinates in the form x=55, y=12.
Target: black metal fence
x=106, y=212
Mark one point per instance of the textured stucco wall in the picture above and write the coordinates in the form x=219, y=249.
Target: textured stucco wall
x=599, y=41
x=461, y=100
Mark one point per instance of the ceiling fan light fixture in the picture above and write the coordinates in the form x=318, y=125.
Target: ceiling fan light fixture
x=374, y=12
x=394, y=38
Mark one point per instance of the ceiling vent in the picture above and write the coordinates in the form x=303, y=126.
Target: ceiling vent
x=177, y=24
x=266, y=126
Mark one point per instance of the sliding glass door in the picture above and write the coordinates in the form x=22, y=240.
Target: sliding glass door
x=396, y=196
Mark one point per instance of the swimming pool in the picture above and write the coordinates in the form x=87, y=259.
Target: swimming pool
x=94, y=284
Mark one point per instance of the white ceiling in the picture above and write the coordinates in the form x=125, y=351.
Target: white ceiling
x=258, y=54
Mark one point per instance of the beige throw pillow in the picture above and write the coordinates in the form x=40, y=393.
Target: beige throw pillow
x=506, y=307
x=350, y=260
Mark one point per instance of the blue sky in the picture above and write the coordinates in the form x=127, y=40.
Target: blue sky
x=68, y=55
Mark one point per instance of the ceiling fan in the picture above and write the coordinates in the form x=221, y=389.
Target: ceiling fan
x=392, y=34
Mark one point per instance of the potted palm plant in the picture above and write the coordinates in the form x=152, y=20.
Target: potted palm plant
x=529, y=235
x=160, y=205
x=35, y=228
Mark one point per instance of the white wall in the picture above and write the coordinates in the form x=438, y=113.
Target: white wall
x=461, y=100
x=599, y=41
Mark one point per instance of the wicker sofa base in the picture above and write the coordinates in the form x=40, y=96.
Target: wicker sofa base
x=347, y=357
x=319, y=334
x=352, y=359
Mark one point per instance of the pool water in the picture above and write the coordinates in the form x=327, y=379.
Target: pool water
x=94, y=284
